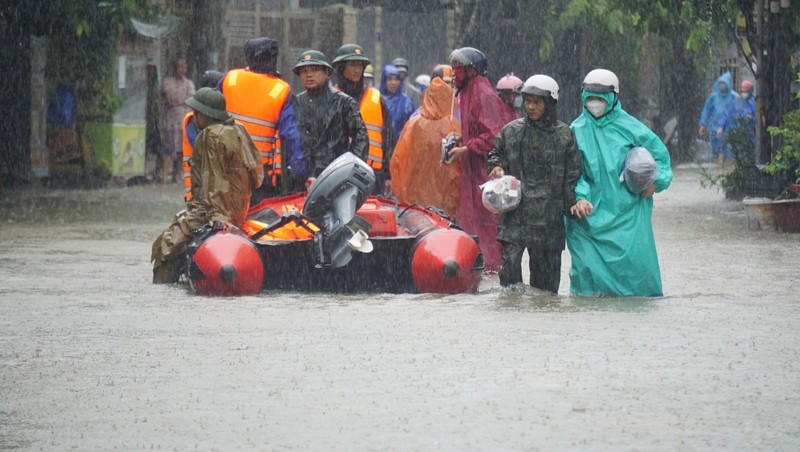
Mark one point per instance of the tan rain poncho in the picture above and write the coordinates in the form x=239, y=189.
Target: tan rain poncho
x=418, y=176
x=226, y=166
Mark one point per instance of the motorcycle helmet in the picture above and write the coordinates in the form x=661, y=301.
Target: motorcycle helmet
x=502, y=194
x=601, y=81
x=401, y=64
x=640, y=170
x=508, y=83
x=444, y=72
x=469, y=57
x=540, y=85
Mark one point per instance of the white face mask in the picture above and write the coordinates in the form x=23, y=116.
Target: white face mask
x=745, y=95
x=596, y=107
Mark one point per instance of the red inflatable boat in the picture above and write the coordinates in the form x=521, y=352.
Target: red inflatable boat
x=336, y=239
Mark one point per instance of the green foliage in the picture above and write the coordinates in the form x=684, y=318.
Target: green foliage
x=733, y=183
x=787, y=159
x=602, y=12
x=82, y=46
x=600, y=15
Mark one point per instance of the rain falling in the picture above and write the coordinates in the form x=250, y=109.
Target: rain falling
x=344, y=343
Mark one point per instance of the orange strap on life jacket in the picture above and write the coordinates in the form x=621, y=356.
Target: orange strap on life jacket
x=187, y=157
x=255, y=101
x=372, y=114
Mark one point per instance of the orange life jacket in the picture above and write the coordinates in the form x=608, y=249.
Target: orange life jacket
x=372, y=114
x=187, y=157
x=289, y=231
x=255, y=101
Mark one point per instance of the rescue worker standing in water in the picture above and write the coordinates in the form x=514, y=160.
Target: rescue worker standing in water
x=328, y=121
x=259, y=100
x=542, y=153
x=226, y=168
x=349, y=65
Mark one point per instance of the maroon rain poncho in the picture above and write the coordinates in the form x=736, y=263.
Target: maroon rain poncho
x=483, y=114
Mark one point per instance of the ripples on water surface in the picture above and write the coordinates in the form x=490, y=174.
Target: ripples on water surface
x=95, y=357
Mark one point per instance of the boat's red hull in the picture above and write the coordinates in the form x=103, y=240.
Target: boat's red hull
x=415, y=250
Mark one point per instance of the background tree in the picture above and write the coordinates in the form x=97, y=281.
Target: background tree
x=771, y=38
x=206, y=25
x=562, y=38
x=82, y=36
x=774, y=36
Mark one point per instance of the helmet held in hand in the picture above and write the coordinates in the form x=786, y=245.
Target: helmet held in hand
x=502, y=194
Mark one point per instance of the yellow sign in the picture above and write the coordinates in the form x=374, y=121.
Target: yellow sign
x=128, y=150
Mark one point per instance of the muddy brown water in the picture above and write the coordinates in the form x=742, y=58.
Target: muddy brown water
x=94, y=357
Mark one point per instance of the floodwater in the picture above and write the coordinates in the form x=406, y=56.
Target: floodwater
x=94, y=357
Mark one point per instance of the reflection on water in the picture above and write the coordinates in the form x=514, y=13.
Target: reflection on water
x=526, y=298
x=95, y=357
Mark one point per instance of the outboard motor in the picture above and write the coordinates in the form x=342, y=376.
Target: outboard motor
x=331, y=204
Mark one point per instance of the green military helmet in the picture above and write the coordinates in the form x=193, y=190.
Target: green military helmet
x=350, y=52
x=312, y=58
x=210, y=103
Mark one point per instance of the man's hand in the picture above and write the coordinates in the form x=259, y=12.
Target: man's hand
x=581, y=209
x=702, y=131
x=648, y=192
x=496, y=172
x=309, y=182
x=720, y=132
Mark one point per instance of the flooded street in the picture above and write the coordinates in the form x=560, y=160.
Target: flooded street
x=94, y=357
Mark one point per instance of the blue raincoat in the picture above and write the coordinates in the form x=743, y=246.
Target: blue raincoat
x=613, y=249
x=736, y=116
x=400, y=105
x=713, y=110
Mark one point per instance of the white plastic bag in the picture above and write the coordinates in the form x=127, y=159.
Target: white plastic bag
x=502, y=194
x=640, y=170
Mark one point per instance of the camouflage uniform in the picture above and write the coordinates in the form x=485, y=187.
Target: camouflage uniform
x=544, y=156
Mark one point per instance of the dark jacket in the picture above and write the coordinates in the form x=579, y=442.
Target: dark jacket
x=356, y=91
x=330, y=125
x=544, y=156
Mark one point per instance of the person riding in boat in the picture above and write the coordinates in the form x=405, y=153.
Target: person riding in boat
x=226, y=167
x=262, y=102
x=210, y=79
x=349, y=65
x=328, y=120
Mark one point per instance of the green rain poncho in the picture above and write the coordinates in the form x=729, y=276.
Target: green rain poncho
x=613, y=249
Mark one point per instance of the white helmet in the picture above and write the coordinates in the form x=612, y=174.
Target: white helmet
x=540, y=85
x=423, y=79
x=601, y=81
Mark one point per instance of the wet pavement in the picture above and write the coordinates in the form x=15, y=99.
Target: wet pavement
x=94, y=357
